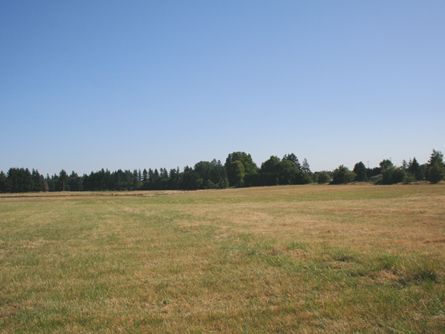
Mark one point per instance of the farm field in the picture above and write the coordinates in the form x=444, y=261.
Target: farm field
x=302, y=259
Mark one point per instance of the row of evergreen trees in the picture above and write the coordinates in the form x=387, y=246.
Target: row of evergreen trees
x=239, y=170
x=387, y=173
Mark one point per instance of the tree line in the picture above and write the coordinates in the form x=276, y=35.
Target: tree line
x=239, y=170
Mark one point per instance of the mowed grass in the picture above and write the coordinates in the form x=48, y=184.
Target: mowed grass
x=332, y=259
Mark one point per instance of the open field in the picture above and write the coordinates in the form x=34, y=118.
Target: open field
x=333, y=259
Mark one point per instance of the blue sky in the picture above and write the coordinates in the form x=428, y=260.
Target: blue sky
x=138, y=84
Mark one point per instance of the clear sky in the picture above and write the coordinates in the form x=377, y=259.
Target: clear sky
x=138, y=84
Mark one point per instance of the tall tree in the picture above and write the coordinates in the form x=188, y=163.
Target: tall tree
x=19, y=180
x=270, y=171
x=236, y=173
x=342, y=175
x=393, y=175
x=135, y=179
x=190, y=179
x=174, y=179
x=435, y=167
x=436, y=158
x=385, y=164
x=360, y=172
x=287, y=172
x=249, y=169
x=212, y=173
x=3, y=183
x=415, y=170
x=322, y=177
x=75, y=182
x=63, y=181
x=292, y=158
x=50, y=182
x=37, y=181
x=305, y=167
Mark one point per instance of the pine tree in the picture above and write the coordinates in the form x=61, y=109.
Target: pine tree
x=62, y=181
x=415, y=170
x=436, y=167
x=3, y=183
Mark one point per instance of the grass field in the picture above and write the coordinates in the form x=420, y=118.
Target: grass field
x=333, y=259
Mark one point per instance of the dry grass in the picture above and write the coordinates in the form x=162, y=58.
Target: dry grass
x=304, y=259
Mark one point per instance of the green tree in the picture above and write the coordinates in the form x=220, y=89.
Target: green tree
x=62, y=184
x=435, y=173
x=393, y=175
x=50, y=182
x=342, y=175
x=190, y=179
x=292, y=158
x=19, y=180
x=436, y=157
x=295, y=173
x=236, y=173
x=75, y=182
x=287, y=172
x=38, y=181
x=248, y=171
x=212, y=173
x=3, y=183
x=175, y=179
x=436, y=167
x=218, y=174
x=305, y=167
x=385, y=164
x=322, y=177
x=360, y=172
x=415, y=170
x=303, y=172
x=270, y=171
